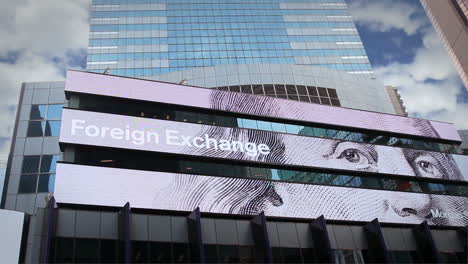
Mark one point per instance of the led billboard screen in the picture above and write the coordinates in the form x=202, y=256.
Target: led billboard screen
x=77, y=184
x=108, y=130
x=91, y=83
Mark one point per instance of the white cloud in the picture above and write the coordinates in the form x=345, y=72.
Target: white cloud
x=387, y=15
x=44, y=34
x=46, y=27
x=429, y=84
x=4, y=149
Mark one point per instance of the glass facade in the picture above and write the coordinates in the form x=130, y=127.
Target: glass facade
x=35, y=148
x=152, y=37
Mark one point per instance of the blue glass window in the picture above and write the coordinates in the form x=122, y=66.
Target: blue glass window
x=54, y=112
x=38, y=112
x=49, y=163
x=46, y=183
x=52, y=129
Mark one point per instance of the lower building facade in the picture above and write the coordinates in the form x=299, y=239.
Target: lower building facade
x=154, y=172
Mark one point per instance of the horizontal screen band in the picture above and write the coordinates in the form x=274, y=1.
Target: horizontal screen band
x=127, y=132
x=77, y=184
x=92, y=83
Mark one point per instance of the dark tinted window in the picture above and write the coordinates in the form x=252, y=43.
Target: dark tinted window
x=401, y=256
x=228, y=254
x=38, y=112
x=314, y=100
x=269, y=89
x=301, y=89
x=160, y=252
x=64, y=250
x=312, y=91
x=36, y=129
x=291, y=89
x=257, y=89
x=139, y=252
x=211, y=253
x=180, y=253
x=280, y=89
x=322, y=91
x=335, y=102
x=332, y=93
x=234, y=88
x=277, y=258
x=49, y=163
x=308, y=255
x=450, y=257
x=246, y=89
x=87, y=250
x=30, y=164
x=325, y=101
x=27, y=183
x=46, y=183
x=291, y=255
x=108, y=251
x=247, y=254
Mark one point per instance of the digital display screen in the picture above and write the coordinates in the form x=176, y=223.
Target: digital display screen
x=109, y=130
x=88, y=185
x=107, y=85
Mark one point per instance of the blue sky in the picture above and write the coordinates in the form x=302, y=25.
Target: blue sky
x=406, y=52
x=40, y=39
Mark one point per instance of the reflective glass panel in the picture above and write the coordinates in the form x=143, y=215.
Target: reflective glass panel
x=30, y=164
x=38, y=112
x=27, y=183
x=49, y=163
x=46, y=183
x=86, y=250
x=36, y=129
x=54, y=112
x=160, y=252
x=52, y=129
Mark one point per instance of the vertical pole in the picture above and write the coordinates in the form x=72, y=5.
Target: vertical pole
x=263, y=252
x=197, y=250
x=51, y=219
x=426, y=246
x=376, y=243
x=322, y=245
x=124, y=232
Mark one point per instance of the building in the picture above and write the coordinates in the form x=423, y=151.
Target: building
x=450, y=19
x=464, y=145
x=253, y=147
x=123, y=145
x=396, y=100
x=227, y=44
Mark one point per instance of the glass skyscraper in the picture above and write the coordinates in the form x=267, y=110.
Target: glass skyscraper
x=145, y=38
x=264, y=45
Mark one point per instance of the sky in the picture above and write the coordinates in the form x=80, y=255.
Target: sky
x=40, y=39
